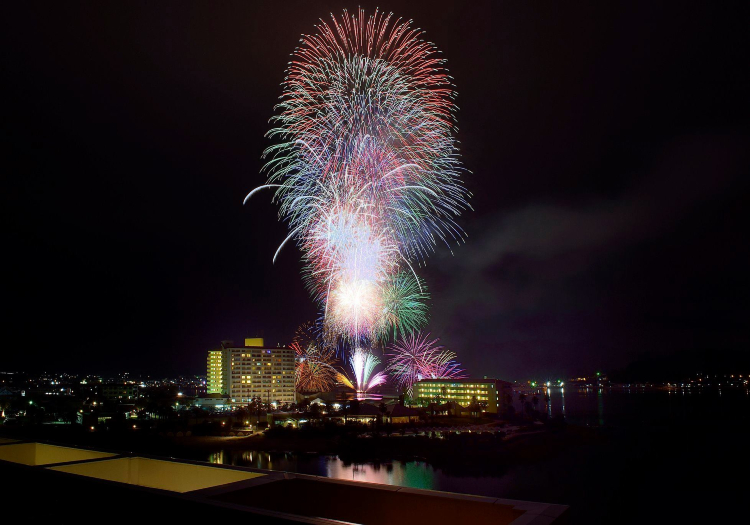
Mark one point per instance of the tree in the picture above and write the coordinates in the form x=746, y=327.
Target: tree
x=345, y=411
x=256, y=406
x=522, y=398
x=535, y=402
x=354, y=405
x=474, y=406
x=383, y=409
x=315, y=411
x=527, y=405
x=443, y=395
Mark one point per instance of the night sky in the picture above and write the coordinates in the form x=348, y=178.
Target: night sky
x=608, y=146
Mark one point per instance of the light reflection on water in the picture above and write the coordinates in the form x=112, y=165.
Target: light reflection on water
x=594, y=407
x=628, y=410
x=415, y=474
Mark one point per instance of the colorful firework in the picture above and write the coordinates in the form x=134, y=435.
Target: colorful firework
x=314, y=370
x=366, y=172
x=362, y=363
x=415, y=357
x=404, y=304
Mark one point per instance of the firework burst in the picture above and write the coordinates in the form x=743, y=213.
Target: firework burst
x=314, y=370
x=366, y=172
x=415, y=357
x=362, y=363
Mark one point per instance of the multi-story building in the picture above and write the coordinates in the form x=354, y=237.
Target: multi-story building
x=119, y=390
x=250, y=371
x=491, y=394
x=216, y=381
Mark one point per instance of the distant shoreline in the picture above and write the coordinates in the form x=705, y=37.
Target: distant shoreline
x=457, y=452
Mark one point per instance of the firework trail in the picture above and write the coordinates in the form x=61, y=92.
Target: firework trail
x=314, y=370
x=366, y=172
x=362, y=363
x=415, y=357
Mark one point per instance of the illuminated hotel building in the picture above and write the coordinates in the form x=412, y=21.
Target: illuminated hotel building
x=490, y=392
x=216, y=382
x=251, y=371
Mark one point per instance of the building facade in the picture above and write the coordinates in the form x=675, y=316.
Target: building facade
x=251, y=371
x=491, y=394
x=119, y=390
x=216, y=381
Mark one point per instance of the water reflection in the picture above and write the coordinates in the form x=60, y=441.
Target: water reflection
x=617, y=409
x=217, y=457
x=549, y=403
x=415, y=474
x=562, y=395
